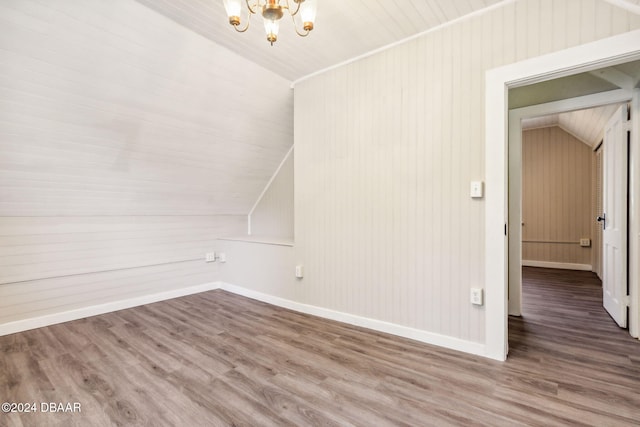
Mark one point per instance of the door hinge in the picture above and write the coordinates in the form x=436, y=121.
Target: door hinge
x=626, y=300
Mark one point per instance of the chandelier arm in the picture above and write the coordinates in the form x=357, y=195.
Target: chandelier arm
x=297, y=8
x=246, y=26
x=295, y=27
x=251, y=11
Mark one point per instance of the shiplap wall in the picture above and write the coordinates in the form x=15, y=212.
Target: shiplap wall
x=273, y=214
x=556, y=197
x=385, y=149
x=263, y=268
x=54, y=264
x=124, y=152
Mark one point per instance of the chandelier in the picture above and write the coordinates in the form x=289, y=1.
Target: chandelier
x=272, y=11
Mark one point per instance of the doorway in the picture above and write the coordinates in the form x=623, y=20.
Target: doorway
x=559, y=204
x=593, y=56
x=561, y=182
x=606, y=102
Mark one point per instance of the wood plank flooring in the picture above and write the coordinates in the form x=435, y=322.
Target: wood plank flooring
x=217, y=359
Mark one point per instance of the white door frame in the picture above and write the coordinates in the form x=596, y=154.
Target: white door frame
x=515, y=175
x=587, y=57
x=615, y=209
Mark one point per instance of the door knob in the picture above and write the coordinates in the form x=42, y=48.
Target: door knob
x=603, y=220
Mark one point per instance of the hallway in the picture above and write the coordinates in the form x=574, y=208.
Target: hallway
x=571, y=346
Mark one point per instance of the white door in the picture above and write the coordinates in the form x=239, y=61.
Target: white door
x=614, y=217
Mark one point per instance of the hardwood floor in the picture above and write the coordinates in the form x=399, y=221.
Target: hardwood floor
x=221, y=359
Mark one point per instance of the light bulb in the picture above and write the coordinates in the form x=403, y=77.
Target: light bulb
x=233, y=7
x=271, y=26
x=308, y=10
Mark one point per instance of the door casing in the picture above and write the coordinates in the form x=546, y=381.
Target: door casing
x=515, y=175
x=588, y=57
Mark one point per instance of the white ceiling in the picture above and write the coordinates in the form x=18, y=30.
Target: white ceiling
x=586, y=125
x=344, y=29
x=347, y=29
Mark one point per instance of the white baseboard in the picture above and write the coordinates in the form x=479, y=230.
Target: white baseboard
x=377, y=325
x=559, y=265
x=94, y=310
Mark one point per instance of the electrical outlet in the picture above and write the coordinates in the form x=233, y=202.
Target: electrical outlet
x=210, y=257
x=222, y=257
x=585, y=242
x=299, y=271
x=477, y=296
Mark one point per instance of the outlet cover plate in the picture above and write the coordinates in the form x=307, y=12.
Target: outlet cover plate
x=477, y=296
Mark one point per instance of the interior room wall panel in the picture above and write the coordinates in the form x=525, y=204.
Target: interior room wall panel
x=556, y=197
x=109, y=110
x=124, y=152
x=386, y=148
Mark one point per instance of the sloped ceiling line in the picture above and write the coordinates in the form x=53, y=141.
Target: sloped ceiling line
x=344, y=29
x=586, y=125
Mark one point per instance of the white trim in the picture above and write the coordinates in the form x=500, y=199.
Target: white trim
x=617, y=96
x=377, y=325
x=613, y=50
x=405, y=40
x=266, y=187
x=263, y=240
x=496, y=332
x=558, y=265
x=634, y=218
x=515, y=179
x=94, y=310
x=351, y=319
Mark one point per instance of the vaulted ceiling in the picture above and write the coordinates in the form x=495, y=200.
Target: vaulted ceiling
x=348, y=29
x=586, y=125
x=160, y=107
x=345, y=29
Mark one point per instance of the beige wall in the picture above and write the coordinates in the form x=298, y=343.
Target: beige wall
x=556, y=197
x=385, y=150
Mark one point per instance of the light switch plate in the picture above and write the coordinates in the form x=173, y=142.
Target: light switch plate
x=477, y=189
